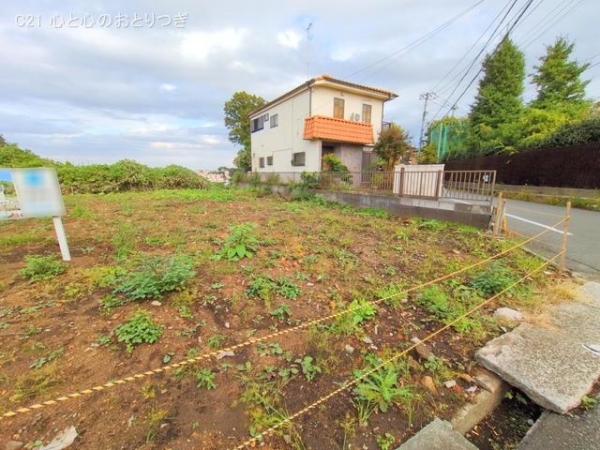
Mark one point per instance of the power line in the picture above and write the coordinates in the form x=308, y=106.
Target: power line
x=544, y=20
x=514, y=2
x=565, y=12
x=531, y=12
x=495, y=50
x=444, y=87
x=416, y=42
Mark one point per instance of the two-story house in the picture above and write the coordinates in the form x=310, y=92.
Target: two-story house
x=324, y=115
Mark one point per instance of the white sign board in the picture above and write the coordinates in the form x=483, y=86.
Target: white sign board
x=30, y=193
x=26, y=193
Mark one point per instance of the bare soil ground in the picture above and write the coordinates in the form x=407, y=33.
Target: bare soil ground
x=57, y=335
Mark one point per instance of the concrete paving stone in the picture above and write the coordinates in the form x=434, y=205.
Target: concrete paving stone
x=553, y=364
x=591, y=290
x=437, y=435
x=557, y=432
x=554, y=370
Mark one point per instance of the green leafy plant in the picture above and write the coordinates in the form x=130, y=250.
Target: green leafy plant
x=261, y=287
x=385, y=441
x=381, y=388
x=241, y=243
x=282, y=313
x=153, y=276
x=359, y=311
x=205, y=378
x=38, y=363
x=493, y=280
x=287, y=288
x=273, y=349
x=139, y=329
x=588, y=403
x=435, y=301
x=39, y=268
x=309, y=368
x=216, y=341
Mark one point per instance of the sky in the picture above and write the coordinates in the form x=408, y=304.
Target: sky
x=97, y=82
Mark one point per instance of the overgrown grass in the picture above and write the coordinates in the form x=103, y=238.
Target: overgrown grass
x=591, y=204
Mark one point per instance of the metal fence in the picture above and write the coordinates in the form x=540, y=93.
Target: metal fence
x=468, y=185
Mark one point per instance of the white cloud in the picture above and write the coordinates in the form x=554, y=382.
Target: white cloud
x=289, y=38
x=199, y=45
x=343, y=54
x=167, y=87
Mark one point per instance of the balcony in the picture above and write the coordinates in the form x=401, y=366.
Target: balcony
x=338, y=130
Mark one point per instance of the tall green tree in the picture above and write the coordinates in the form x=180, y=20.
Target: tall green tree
x=558, y=80
x=237, y=120
x=393, y=146
x=498, y=104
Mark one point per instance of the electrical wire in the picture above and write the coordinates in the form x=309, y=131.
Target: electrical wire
x=436, y=87
x=416, y=42
x=476, y=59
x=553, y=23
x=514, y=24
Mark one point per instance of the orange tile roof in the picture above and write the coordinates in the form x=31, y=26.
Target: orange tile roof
x=332, y=129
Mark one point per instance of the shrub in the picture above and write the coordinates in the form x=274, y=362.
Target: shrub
x=139, y=329
x=154, y=276
x=42, y=267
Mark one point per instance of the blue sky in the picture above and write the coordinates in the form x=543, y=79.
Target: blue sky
x=89, y=91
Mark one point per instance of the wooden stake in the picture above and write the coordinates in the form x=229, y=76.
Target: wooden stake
x=498, y=221
x=563, y=248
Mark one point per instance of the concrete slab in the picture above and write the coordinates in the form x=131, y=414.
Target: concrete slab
x=557, y=432
x=482, y=405
x=437, y=435
x=554, y=366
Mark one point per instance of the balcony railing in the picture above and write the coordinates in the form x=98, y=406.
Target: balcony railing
x=338, y=130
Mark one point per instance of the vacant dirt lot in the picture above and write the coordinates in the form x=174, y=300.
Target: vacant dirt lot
x=162, y=277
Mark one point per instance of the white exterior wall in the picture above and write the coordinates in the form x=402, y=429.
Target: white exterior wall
x=322, y=105
x=280, y=142
x=287, y=138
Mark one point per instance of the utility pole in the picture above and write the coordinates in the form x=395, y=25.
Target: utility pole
x=426, y=96
x=308, y=28
x=453, y=108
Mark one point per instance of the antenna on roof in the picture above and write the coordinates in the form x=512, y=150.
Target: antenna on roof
x=308, y=28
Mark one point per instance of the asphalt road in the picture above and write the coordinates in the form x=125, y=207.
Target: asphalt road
x=583, y=245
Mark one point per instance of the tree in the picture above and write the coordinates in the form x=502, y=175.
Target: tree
x=498, y=103
x=558, y=81
x=393, y=146
x=2, y=141
x=237, y=120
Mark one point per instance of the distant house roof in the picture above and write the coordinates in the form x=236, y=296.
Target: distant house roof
x=328, y=81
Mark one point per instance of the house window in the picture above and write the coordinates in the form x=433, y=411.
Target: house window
x=298, y=159
x=261, y=162
x=366, y=114
x=338, y=108
x=269, y=160
x=257, y=124
x=274, y=120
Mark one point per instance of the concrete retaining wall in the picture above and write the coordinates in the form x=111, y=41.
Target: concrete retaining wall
x=473, y=215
